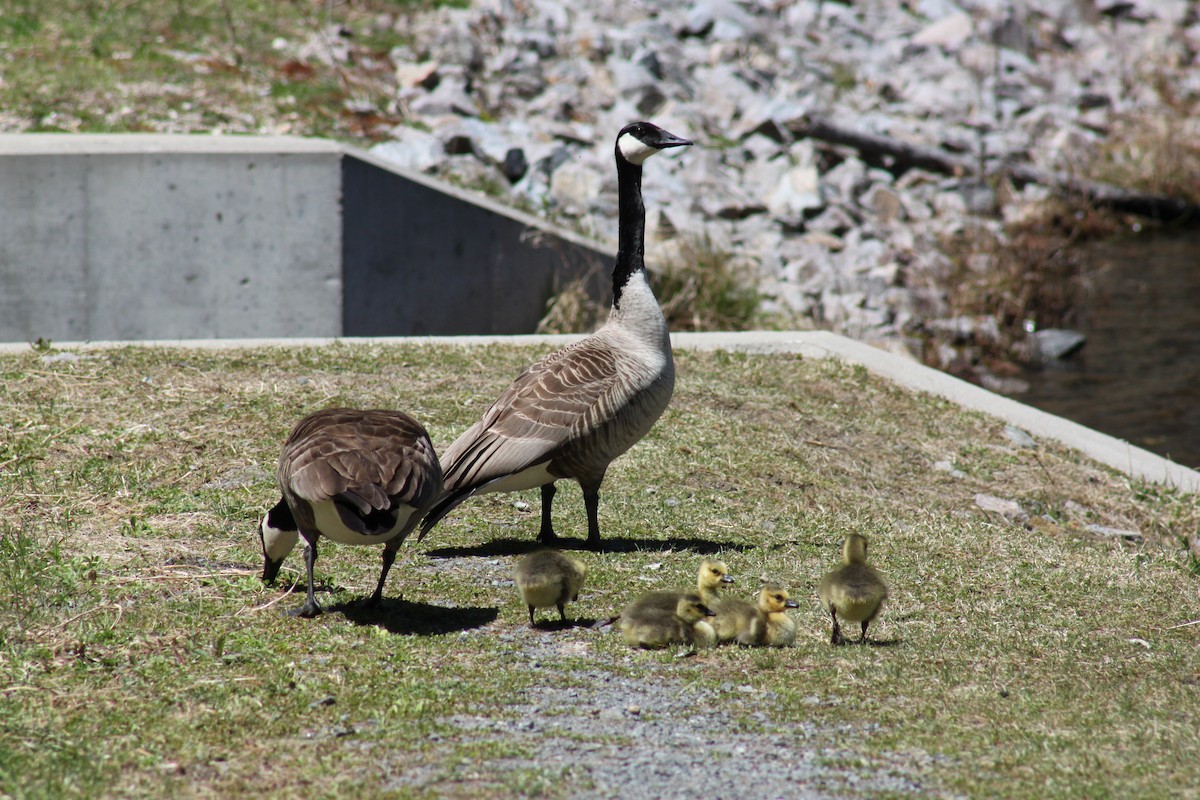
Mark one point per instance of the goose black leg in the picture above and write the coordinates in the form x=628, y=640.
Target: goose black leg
x=532, y=624
x=863, y=639
x=547, y=534
x=591, y=502
x=389, y=556
x=310, y=607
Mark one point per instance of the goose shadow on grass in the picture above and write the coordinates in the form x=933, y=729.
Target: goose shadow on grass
x=421, y=619
x=615, y=544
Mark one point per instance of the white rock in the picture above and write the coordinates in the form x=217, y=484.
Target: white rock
x=411, y=149
x=575, y=185
x=1009, y=509
x=949, y=32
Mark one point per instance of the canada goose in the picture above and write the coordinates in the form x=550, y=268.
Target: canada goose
x=356, y=477
x=711, y=577
x=652, y=627
x=549, y=578
x=574, y=411
x=764, y=622
x=853, y=590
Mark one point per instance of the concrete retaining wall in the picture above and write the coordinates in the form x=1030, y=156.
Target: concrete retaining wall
x=176, y=237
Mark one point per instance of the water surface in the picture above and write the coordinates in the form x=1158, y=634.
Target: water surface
x=1138, y=376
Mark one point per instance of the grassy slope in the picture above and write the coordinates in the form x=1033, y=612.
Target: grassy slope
x=140, y=654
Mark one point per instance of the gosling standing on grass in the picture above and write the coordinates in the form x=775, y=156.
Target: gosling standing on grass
x=652, y=628
x=854, y=590
x=549, y=578
x=755, y=624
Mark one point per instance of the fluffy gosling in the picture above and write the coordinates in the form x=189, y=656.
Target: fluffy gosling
x=549, y=578
x=762, y=623
x=651, y=628
x=711, y=576
x=854, y=590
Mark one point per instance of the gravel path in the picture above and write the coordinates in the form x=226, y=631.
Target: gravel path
x=607, y=734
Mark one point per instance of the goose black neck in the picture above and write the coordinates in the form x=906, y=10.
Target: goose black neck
x=631, y=226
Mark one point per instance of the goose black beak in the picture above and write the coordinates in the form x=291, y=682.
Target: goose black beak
x=792, y=604
x=671, y=140
x=726, y=579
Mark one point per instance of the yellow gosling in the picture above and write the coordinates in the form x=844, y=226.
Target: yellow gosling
x=853, y=591
x=764, y=623
x=549, y=578
x=711, y=576
x=650, y=627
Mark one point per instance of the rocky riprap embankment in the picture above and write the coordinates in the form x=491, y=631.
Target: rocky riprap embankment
x=524, y=96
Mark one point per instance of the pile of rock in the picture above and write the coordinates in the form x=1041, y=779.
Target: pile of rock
x=522, y=96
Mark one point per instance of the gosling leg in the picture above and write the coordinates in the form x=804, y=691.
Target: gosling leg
x=836, y=638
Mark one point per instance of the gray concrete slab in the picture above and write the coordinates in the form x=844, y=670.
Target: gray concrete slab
x=1108, y=450
x=156, y=236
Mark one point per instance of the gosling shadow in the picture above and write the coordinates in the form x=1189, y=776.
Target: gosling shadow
x=616, y=544
x=549, y=625
x=420, y=619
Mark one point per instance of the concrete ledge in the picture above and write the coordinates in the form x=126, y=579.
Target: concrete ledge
x=1108, y=450
x=149, y=236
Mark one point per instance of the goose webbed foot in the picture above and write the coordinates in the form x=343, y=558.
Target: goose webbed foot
x=309, y=610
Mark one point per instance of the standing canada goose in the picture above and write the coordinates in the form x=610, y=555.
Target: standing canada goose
x=853, y=590
x=356, y=477
x=651, y=627
x=712, y=576
x=763, y=623
x=549, y=578
x=574, y=411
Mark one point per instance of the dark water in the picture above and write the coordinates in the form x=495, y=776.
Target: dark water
x=1138, y=376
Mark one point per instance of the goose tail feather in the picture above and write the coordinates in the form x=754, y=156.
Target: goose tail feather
x=444, y=507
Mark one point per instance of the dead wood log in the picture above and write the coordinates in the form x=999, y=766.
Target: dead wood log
x=903, y=155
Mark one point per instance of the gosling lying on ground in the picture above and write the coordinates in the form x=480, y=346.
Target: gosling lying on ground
x=711, y=576
x=549, y=578
x=763, y=623
x=650, y=627
x=853, y=590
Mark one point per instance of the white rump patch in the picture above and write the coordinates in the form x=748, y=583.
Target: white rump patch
x=633, y=149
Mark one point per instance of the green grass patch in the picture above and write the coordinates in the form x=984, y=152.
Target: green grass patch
x=140, y=656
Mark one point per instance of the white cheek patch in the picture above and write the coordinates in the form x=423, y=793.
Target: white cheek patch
x=633, y=149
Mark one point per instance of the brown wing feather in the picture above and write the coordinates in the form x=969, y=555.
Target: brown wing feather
x=552, y=403
x=371, y=458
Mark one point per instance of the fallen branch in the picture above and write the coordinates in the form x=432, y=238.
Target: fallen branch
x=904, y=155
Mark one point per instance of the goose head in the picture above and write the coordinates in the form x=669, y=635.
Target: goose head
x=713, y=574
x=854, y=549
x=774, y=599
x=638, y=141
x=691, y=609
x=278, y=535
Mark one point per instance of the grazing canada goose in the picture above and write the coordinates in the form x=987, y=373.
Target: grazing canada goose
x=574, y=411
x=356, y=477
x=762, y=623
x=710, y=578
x=549, y=578
x=853, y=590
x=651, y=627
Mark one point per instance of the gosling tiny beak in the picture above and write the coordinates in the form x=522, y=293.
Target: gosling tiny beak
x=792, y=604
